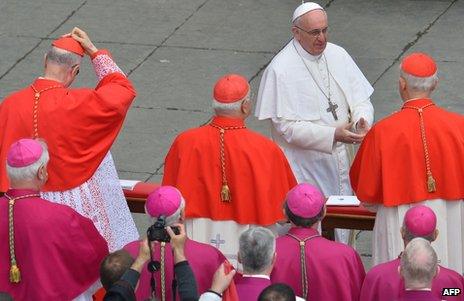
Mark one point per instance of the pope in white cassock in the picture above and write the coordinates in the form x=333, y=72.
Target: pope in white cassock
x=318, y=102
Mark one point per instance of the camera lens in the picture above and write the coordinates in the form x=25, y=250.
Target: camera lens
x=153, y=266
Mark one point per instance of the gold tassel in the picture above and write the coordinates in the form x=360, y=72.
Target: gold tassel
x=431, y=184
x=15, y=275
x=225, y=193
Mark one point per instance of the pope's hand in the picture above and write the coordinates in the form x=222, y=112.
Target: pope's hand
x=343, y=134
x=362, y=126
x=82, y=37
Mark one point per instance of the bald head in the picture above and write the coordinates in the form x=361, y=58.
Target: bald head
x=418, y=264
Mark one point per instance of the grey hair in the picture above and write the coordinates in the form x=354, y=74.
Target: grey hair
x=28, y=172
x=228, y=108
x=173, y=218
x=419, y=84
x=63, y=57
x=256, y=249
x=419, y=263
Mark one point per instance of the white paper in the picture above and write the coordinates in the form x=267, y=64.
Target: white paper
x=343, y=200
x=128, y=184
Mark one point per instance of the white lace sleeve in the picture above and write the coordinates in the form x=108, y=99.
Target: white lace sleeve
x=103, y=65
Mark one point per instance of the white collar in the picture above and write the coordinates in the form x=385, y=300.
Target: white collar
x=257, y=276
x=304, y=53
x=419, y=289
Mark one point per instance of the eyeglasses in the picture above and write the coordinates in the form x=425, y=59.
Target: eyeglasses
x=316, y=32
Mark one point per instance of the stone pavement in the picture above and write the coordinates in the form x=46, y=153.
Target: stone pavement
x=174, y=50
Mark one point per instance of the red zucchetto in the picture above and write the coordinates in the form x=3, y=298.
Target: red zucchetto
x=419, y=64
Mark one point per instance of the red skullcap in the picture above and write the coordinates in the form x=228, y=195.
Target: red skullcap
x=231, y=88
x=69, y=44
x=419, y=64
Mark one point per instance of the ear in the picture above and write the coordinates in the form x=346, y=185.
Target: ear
x=435, y=234
x=239, y=259
x=42, y=172
x=45, y=60
x=75, y=70
x=437, y=271
x=402, y=84
x=325, y=212
x=402, y=232
x=182, y=215
x=434, y=86
x=245, y=107
x=296, y=33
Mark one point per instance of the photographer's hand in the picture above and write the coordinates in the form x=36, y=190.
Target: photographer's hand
x=178, y=242
x=222, y=280
x=144, y=255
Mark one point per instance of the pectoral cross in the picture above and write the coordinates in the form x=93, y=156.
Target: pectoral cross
x=333, y=109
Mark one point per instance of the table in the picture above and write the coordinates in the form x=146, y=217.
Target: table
x=350, y=217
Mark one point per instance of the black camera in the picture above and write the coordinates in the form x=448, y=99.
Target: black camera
x=157, y=231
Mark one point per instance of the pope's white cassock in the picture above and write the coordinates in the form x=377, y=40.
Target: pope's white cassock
x=293, y=94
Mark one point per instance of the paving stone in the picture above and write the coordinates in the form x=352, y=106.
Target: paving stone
x=34, y=18
x=183, y=78
x=140, y=21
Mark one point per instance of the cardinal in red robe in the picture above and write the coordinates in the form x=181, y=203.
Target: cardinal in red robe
x=415, y=155
x=48, y=251
x=79, y=126
x=230, y=176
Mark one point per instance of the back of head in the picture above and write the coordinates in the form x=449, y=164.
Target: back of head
x=304, y=205
x=277, y=292
x=229, y=93
x=62, y=58
x=65, y=52
x=24, y=159
x=256, y=250
x=419, y=221
x=420, y=72
x=113, y=267
x=418, y=264
x=165, y=201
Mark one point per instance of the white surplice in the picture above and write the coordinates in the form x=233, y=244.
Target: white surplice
x=102, y=200
x=223, y=235
x=302, y=126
